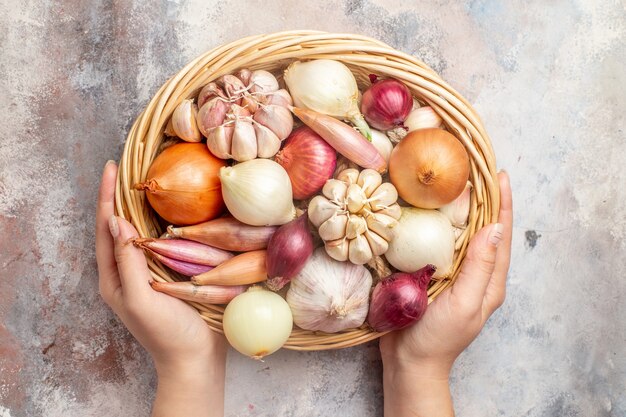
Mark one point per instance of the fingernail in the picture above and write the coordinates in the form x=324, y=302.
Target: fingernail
x=114, y=227
x=496, y=234
x=109, y=162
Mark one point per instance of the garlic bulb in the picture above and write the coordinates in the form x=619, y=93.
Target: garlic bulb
x=327, y=87
x=184, y=121
x=329, y=296
x=356, y=215
x=244, y=116
x=258, y=193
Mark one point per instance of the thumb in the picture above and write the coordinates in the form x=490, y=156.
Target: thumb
x=131, y=262
x=478, y=265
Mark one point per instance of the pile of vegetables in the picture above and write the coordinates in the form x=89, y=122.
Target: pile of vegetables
x=284, y=225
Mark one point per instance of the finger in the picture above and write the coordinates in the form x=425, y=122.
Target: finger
x=505, y=218
x=496, y=290
x=478, y=266
x=109, y=281
x=131, y=262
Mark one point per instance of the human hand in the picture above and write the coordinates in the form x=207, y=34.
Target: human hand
x=426, y=350
x=186, y=353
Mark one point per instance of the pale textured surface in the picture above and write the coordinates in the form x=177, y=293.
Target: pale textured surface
x=548, y=80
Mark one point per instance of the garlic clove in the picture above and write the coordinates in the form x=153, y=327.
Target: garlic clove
x=383, y=225
x=262, y=81
x=334, y=228
x=335, y=190
x=378, y=244
x=355, y=198
x=359, y=251
x=356, y=226
x=393, y=210
x=244, y=147
x=169, y=128
x=383, y=197
x=219, y=141
x=268, y=143
x=237, y=111
x=422, y=118
x=233, y=87
x=320, y=210
x=280, y=98
x=211, y=115
x=458, y=210
x=277, y=118
x=369, y=180
x=184, y=121
x=338, y=249
x=208, y=92
x=349, y=176
x=244, y=75
x=249, y=103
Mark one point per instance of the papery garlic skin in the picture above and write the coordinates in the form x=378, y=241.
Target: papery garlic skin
x=328, y=295
x=356, y=215
x=244, y=116
x=258, y=193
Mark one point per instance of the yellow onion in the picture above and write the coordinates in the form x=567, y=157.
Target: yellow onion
x=183, y=186
x=429, y=168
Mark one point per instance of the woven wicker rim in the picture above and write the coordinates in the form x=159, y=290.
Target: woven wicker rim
x=274, y=52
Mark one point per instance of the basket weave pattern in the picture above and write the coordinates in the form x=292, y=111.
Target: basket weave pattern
x=274, y=52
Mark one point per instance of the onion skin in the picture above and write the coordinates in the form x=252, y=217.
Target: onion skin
x=208, y=294
x=429, y=168
x=184, y=250
x=183, y=186
x=309, y=161
x=386, y=104
x=257, y=322
x=399, y=300
x=226, y=233
x=288, y=251
x=343, y=138
x=247, y=268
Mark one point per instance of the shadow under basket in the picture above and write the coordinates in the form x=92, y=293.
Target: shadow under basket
x=274, y=52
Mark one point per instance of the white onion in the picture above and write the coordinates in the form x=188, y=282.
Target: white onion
x=258, y=193
x=422, y=237
x=258, y=322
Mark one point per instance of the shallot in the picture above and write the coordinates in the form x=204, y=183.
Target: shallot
x=287, y=251
x=400, y=300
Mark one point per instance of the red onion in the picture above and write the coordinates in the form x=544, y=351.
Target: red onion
x=309, y=160
x=386, y=104
x=400, y=300
x=287, y=252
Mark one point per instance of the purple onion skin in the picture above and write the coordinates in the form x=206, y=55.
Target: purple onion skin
x=386, y=104
x=400, y=300
x=186, y=268
x=185, y=250
x=287, y=251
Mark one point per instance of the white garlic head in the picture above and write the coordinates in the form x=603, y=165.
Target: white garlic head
x=244, y=116
x=328, y=295
x=355, y=215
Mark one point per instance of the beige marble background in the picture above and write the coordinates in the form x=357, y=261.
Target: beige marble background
x=547, y=77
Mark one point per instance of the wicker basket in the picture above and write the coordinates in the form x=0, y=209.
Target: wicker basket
x=275, y=52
